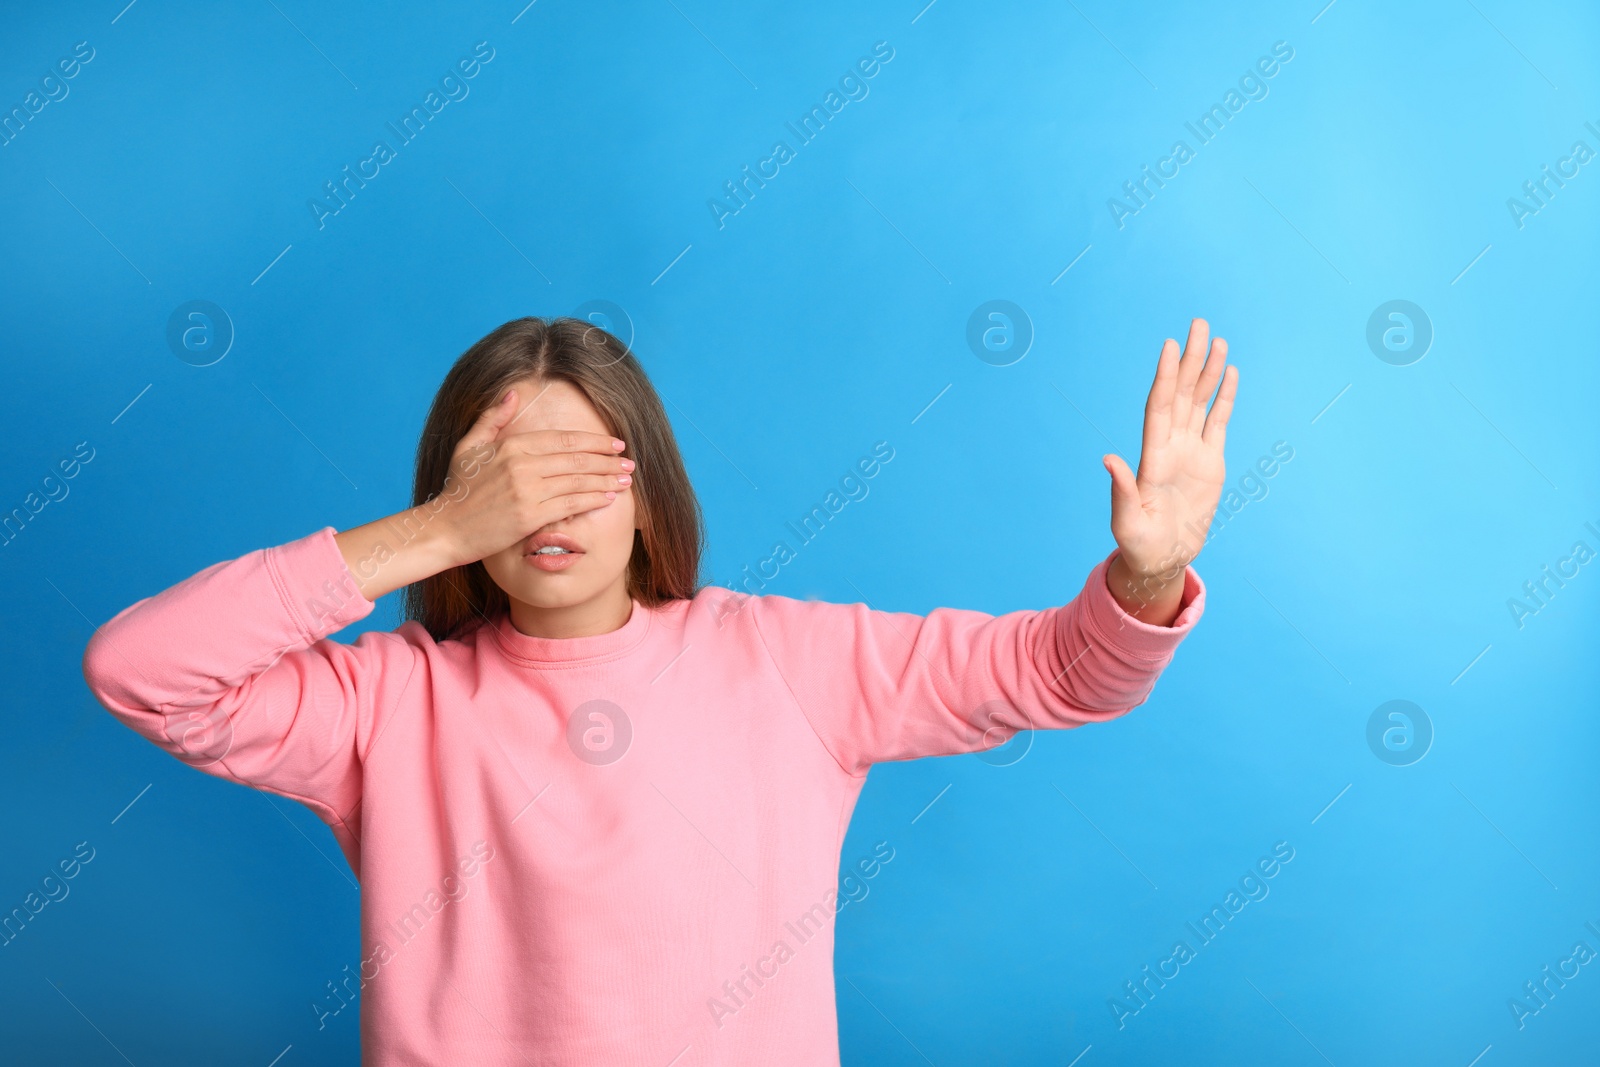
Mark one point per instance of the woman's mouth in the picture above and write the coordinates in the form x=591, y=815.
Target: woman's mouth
x=553, y=557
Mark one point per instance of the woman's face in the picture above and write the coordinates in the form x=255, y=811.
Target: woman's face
x=605, y=534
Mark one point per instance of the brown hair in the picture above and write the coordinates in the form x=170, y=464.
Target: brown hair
x=665, y=563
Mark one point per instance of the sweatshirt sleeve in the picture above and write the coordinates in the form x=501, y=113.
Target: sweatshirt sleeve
x=878, y=686
x=231, y=671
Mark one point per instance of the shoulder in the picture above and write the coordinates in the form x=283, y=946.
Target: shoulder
x=404, y=641
x=411, y=673
x=775, y=621
x=725, y=608
x=398, y=659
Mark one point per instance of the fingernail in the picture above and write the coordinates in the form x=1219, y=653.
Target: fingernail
x=618, y=445
x=624, y=479
x=610, y=495
x=627, y=464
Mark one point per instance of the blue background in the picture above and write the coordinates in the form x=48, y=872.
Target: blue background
x=827, y=315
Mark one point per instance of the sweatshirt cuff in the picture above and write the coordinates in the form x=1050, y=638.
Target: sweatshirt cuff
x=316, y=585
x=1135, y=636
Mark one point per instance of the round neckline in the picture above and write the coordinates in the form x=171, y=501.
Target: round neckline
x=567, y=651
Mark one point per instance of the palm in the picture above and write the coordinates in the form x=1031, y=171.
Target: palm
x=1160, y=517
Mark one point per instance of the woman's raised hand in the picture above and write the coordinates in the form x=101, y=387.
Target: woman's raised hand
x=501, y=489
x=1160, y=516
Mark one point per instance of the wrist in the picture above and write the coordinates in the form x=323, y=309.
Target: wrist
x=430, y=531
x=398, y=550
x=1149, y=595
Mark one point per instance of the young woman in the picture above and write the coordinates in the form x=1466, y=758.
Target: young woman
x=596, y=807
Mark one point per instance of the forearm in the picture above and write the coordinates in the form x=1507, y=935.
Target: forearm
x=1151, y=598
x=396, y=551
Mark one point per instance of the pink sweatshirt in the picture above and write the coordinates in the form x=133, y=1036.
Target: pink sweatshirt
x=609, y=850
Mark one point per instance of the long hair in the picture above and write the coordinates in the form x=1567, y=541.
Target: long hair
x=665, y=564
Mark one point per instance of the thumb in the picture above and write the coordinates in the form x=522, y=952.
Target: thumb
x=1124, y=486
x=490, y=423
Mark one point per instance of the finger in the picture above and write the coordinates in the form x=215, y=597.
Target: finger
x=1207, y=385
x=1194, y=354
x=1216, y=428
x=563, y=442
x=489, y=423
x=566, y=484
x=567, y=505
x=1124, y=486
x=1158, y=408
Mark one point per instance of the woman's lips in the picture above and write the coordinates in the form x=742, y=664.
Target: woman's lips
x=553, y=561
